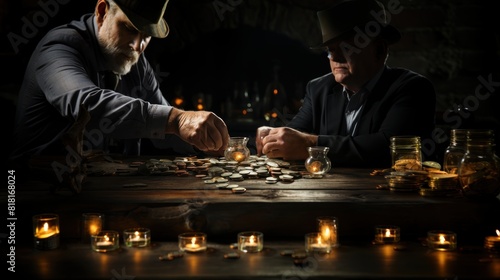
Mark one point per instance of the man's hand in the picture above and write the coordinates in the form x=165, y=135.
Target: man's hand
x=286, y=143
x=202, y=129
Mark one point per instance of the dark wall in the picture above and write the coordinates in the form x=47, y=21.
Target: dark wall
x=218, y=49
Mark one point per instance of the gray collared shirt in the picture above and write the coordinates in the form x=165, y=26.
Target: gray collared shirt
x=356, y=101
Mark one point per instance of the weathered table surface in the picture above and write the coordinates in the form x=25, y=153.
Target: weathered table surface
x=284, y=212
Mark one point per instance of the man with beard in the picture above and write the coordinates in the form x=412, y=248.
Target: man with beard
x=95, y=66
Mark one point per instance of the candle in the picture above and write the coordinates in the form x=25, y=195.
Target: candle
x=46, y=231
x=327, y=226
x=492, y=243
x=137, y=237
x=441, y=240
x=105, y=241
x=192, y=242
x=314, y=242
x=387, y=234
x=250, y=241
x=91, y=224
x=238, y=156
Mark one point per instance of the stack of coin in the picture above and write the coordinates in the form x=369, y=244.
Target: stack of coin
x=440, y=185
x=406, y=181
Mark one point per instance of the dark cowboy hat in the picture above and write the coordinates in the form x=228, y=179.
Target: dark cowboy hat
x=146, y=15
x=351, y=16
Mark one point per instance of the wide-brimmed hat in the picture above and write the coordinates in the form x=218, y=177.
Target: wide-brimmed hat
x=146, y=15
x=351, y=16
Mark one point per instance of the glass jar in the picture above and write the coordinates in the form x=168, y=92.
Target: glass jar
x=479, y=170
x=237, y=149
x=455, y=151
x=406, y=153
x=318, y=162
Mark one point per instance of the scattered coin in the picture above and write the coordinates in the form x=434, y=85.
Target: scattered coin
x=232, y=255
x=239, y=190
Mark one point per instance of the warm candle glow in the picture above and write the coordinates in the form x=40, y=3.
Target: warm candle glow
x=498, y=232
x=319, y=239
x=252, y=239
x=193, y=241
x=387, y=233
x=441, y=239
x=238, y=156
x=326, y=233
x=93, y=229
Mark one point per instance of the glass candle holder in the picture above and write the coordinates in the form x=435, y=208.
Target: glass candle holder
x=387, y=234
x=105, y=241
x=92, y=223
x=492, y=243
x=137, y=237
x=250, y=241
x=318, y=162
x=192, y=242
x=327, y=226
x=46, y=231
x=237, y=149
x=315, y=243
x=441, y=240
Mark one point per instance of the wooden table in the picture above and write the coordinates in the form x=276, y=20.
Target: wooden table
x=284, y=212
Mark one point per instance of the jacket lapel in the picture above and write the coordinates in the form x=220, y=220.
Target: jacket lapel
x=335, y=103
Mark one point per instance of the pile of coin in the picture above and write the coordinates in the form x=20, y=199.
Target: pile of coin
x=440, y=184
x=406, y=181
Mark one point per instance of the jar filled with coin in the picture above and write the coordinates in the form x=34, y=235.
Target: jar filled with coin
x=406, y=153
x=479, y=170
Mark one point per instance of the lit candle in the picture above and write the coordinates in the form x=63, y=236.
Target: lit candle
x=250, y=241
x=442, y=240
x=91, y=225
x=492, y=243
x=328, y=228
x=105, y=241
x=137, y=237
x=238, y=156
x=46, y=231
x=193, y=242
x=387, y=234
x=316, y=243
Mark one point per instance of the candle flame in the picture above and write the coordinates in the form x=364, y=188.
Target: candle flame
x=46, y=226
x=498, y=232
x=252, y=239
x=319, y=239
x=326, y=233
x=387, y=233
x=193, y=241
x=106, y=238
x=441, y=238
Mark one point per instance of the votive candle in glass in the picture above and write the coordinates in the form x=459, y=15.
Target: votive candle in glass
x=250, y=241
x=442, y=240
x=137, y=237
x=315, y=243
x=46, y=231
x=387, y=234
x=105, y=241
x=92, y=223
x=492, y=243
x=327, y=226
x=192, y=242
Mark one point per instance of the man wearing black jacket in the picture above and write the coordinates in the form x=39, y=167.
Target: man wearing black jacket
x=355, y=109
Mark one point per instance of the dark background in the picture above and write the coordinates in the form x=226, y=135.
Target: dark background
x=218, y=50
